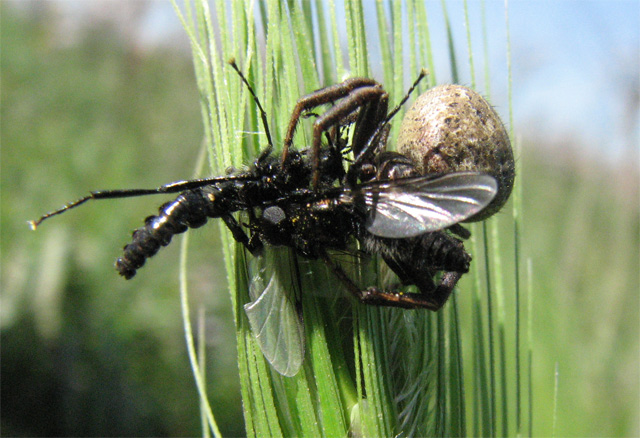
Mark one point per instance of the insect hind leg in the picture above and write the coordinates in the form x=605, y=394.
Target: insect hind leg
x=432, y=297
x=434, y=300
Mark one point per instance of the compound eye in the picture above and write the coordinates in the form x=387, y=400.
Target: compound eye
x=367, y=172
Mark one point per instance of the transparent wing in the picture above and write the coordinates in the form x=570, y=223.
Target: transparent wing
x=412, y=206
x=273, y=314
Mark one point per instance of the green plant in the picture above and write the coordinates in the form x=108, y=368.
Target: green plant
x=380, y=372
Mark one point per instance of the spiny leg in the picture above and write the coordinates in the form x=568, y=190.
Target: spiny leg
x=369, y=117
x=366, y=151
x=375, y=97
x=321, y=97
x=433, y=300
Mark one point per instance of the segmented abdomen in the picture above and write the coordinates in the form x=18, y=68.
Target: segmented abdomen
x=191, y=209
x=433, y=251
x=443, y=251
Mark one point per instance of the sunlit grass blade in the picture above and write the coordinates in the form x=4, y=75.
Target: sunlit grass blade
x=196, y=364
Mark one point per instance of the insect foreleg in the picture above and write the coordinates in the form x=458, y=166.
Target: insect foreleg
x=254, y=246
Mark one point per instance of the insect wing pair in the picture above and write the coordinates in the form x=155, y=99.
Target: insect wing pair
x=395, y=209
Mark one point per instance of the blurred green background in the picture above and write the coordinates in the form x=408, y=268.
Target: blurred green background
x=83, y=351
x=87, y=353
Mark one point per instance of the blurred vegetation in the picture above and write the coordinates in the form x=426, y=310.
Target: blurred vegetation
x=582, y=231
x=87, y=353
x=83, y=351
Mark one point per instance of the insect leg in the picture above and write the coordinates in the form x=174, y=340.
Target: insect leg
x=254, y=246
x=263, y=114
x=103, y=194
x=377, y=297
x=371, y=100
x=174, y=187
x=460, y=231
x=380, y=130
x=432, y=301
x=320, y=97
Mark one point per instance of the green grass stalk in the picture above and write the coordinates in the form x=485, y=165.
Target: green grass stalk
x=402, y=371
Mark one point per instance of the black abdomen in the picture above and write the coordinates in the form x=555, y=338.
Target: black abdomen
x=190, y=209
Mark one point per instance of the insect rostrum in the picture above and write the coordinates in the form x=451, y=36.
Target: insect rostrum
x=315, y=201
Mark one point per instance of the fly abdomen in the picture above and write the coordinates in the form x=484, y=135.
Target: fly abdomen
x=443, y=251
x=413, y=257
x=191, y=209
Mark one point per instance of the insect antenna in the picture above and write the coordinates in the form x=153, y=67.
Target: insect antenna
x=263, y=113
x=393, y=112
x=174, y=187
x=369, y=147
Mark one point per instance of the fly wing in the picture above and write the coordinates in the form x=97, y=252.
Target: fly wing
x=409, y=207
x=273, y=314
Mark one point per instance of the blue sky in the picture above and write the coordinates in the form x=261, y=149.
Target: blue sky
x=576, y=72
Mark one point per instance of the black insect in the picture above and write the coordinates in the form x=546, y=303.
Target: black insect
x=306, y=200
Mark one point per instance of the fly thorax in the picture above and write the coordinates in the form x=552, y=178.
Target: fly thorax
x=392, y=165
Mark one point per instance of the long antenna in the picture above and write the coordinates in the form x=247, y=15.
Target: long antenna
x=423, y=73
x=174, y=187
x=263, y=113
